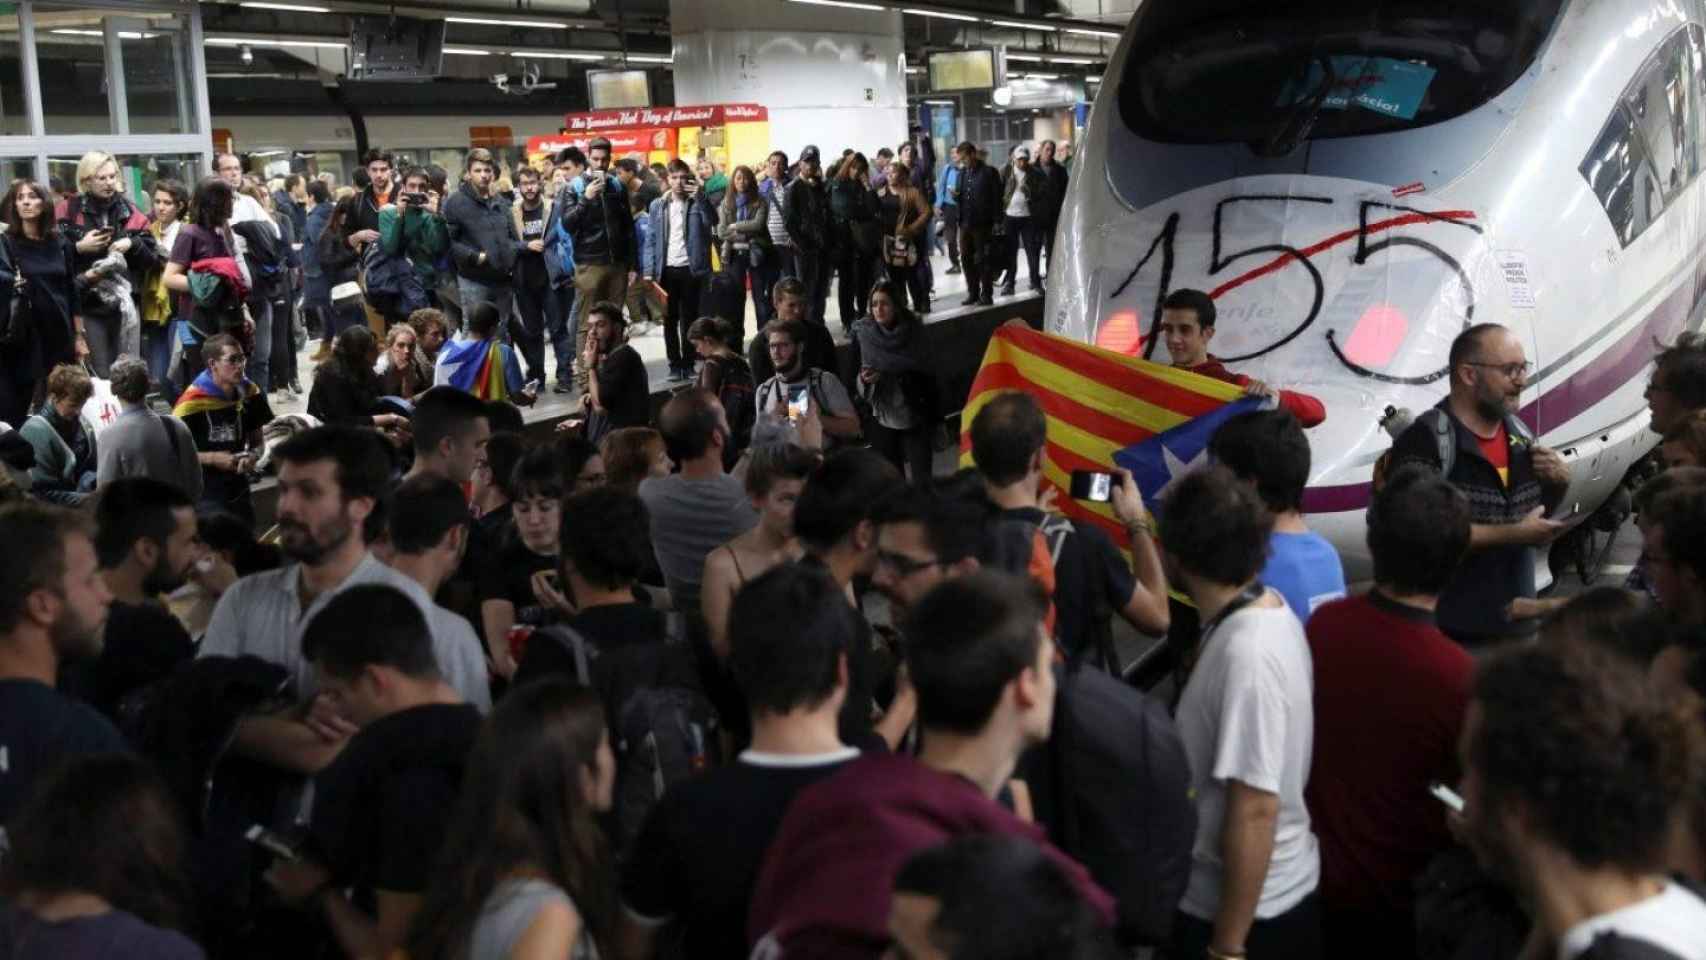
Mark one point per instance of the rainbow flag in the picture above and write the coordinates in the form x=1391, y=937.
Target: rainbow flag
x=204, y=395
x=1104, y=409
x=485, y=368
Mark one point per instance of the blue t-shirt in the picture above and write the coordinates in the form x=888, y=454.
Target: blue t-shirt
x=1305, y=569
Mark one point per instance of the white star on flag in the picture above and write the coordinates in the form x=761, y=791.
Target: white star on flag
x=1178, y=469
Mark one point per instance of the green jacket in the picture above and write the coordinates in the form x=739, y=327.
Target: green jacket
x=416, y=234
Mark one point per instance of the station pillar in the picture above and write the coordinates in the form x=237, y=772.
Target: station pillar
x=830, y=76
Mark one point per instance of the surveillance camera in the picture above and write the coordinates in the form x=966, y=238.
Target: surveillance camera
x=247, y=54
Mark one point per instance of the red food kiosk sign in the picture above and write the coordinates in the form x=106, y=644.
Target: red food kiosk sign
x=642, y=118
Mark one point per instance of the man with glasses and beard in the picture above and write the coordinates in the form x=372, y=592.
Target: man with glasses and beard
x=53, y=606
x=148, y=545
x=330, y=481
x=1510, y=480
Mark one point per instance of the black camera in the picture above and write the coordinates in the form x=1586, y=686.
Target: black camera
x=416, y=199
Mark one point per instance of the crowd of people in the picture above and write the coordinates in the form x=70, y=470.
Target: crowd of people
x=750, y=676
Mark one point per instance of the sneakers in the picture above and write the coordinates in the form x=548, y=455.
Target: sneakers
x=953, y=270
x=986, y=301
x=561, y=387
x=1007, y=289
x=970, y=301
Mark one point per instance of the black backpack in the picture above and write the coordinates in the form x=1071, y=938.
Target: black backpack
x=739, y=396
x=264, y=252
x=663, y=728
x=1113, y=786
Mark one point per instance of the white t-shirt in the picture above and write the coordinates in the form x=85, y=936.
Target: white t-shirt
x=1020, y=205
x=1674, y=919
x=676, y=254
x=1248, y=714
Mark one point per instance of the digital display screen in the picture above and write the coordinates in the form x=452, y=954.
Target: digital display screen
x=615, y=89
x=952, y=70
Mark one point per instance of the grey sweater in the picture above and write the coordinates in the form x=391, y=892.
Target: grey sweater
x=139, y=444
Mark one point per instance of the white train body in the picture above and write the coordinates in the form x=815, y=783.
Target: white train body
x=1345, y=268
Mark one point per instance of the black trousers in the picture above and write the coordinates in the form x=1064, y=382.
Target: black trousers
x=976, y=243
x=528, y=330
x=951, y=232
x=906, y=448
x=1047, y=229
x=857, y=270
x=1022, y=231
x=909, y=283
x=1293, y=935
x=682, y=289
x=812, y=267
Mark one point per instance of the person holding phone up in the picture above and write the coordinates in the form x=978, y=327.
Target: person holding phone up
x=801, y=400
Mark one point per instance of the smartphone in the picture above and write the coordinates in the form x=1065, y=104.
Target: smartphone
x=271, y=842
x=1093, y=486
x=797, y=400
x=1447, y=796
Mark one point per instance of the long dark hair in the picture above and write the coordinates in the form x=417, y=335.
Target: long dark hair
x=904, y=317
x=852, y=166
x=103, y=825
x=523, y=808
x=351, y=357
x=210, y=206
x=9, y=209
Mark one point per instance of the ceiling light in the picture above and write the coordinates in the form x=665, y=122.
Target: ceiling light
x=494, y=22
x=649, y=58
x=842, y=3
x=1024, y=26
x=942, y=103
x=917, y=12
x=122, y=35
x=269, y=42
x=1081, y=61
x=297, y=7
x=914, y=69
x=468, y=51
x=1028, y=76
x=1111, y=34
x=554, y=55
x=1027, y=57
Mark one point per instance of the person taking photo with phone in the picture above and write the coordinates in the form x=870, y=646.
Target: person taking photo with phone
x=800, y=400
x=678, y=255
x=595, y=215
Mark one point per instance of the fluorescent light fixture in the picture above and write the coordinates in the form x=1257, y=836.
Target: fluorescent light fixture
x=1081, y=31
x=555, y=55
x=297, y=7
x=942, y=103
x=649, y=58
x=467, y=51
x=122, y=34
x=1025, y=26
x=842, y=3
x=920, y=12
x=914, y=69
x=1026, y=57
x=1028, y=76
x=273, y=42
x=506, y=22
x=1081, y=61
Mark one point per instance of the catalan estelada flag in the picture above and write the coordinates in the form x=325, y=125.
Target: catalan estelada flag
x=1104, y=409
x=204, y=395
x=485, y=368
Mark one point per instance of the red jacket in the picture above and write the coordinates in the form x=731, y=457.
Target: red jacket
x=824, y=889
x=1308, y=410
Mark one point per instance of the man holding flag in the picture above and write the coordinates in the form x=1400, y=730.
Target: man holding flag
x=1187, y=325
x=481, y=364
x=225, y=412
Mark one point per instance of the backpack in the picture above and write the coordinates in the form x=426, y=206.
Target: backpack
x=1032, y=549
x=265, y=257
x=738, y=396
x=559, y=251
x=1114, y=790
x=663, y=728
x=1445, y=439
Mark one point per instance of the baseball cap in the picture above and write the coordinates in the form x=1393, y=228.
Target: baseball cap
x=810, y=154
x=1022, y=152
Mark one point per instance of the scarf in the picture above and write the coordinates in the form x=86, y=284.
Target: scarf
x=888, y=351
x=204, y=396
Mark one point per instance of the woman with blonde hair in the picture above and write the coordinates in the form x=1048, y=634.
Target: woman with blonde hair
x=115, y=252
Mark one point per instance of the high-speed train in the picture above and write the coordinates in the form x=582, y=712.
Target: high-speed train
x=1354, y=182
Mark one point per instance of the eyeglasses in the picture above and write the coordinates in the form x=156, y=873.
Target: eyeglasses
x=235, y=360
x=1511, y=370
x=903, y=566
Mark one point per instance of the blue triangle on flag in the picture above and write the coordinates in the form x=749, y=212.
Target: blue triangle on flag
x=1155, y=463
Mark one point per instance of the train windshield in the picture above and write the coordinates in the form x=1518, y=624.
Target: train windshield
x=1275, y=75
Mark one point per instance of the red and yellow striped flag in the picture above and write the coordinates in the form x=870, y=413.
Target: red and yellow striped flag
x=1098, y=403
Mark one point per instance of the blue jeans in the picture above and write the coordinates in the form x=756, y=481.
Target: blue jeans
x=560, y=327
x=157, y=350
x=260, y=355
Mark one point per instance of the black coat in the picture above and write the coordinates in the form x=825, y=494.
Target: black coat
x=601, y=227
x=481, y=225
x=979, y=196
